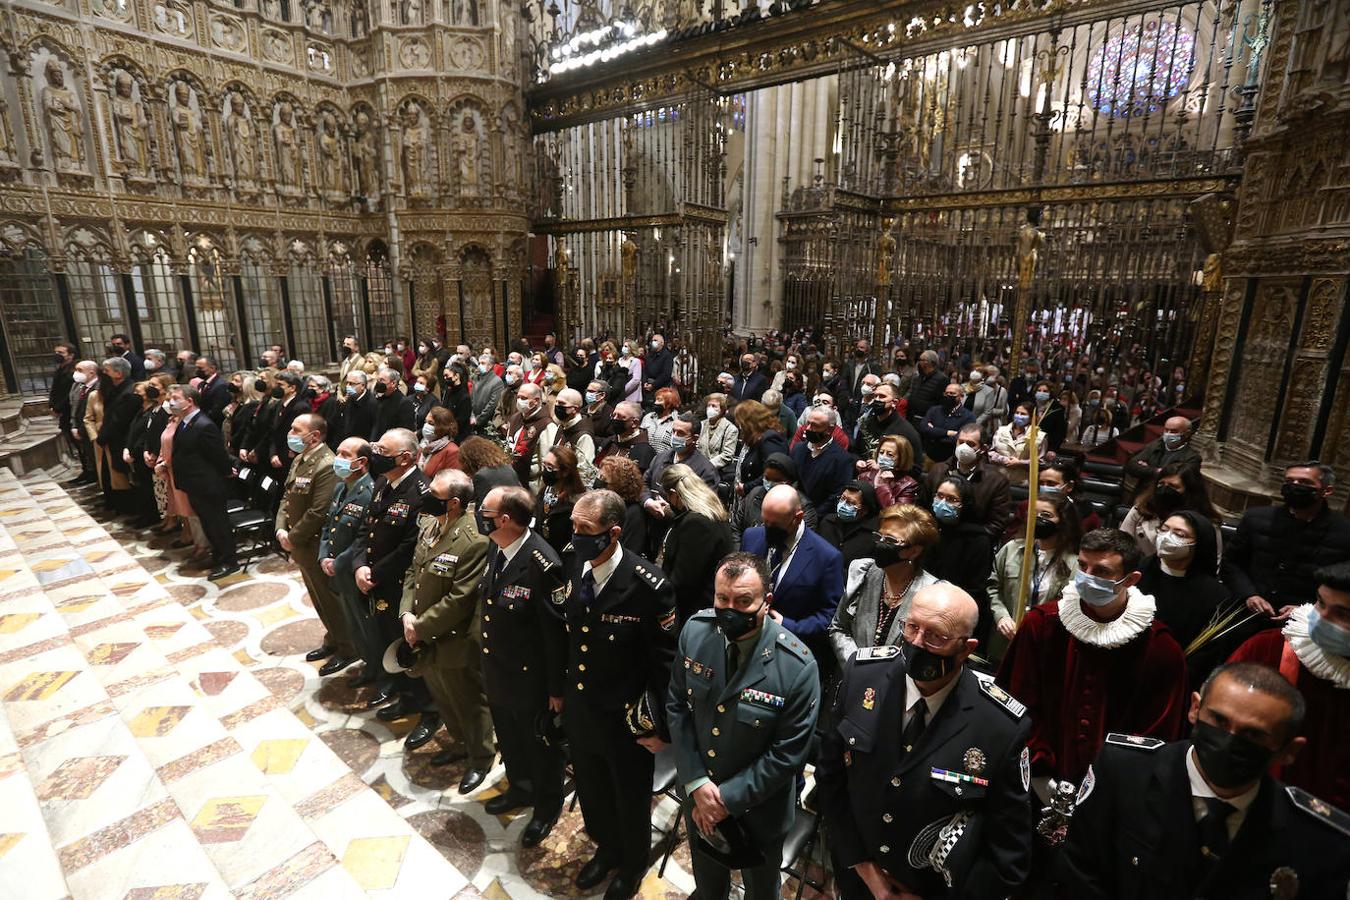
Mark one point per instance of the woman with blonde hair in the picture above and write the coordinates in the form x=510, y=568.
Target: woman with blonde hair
x=695, y=542
x=888, y=471
x=718, y=438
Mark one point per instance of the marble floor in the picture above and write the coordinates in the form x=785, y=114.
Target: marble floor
x=163, y=736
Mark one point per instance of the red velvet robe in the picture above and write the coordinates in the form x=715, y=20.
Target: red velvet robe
x=1323, y=767
x=1076, y=692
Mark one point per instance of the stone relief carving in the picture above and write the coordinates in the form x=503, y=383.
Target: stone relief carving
x=413, y=53
x=129, y=126
x=174, y=19
x=64, y=119
x=189, y=135
x=414, y=143
x=271, y=9
x=465, y=53
x=360, y=57
x=277, y=46
x=366, y=158
x=286, y=137
x=243, y=141
x=467, y=145
x=7, y=149
x=332, y=178
x=227, y=32
x=410, y=12
x=112, y=9
x=318, y=18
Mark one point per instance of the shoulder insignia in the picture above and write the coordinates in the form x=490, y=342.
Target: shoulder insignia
x=559, y=595
x=652, y=578
x=870, y=654
x=1085, y=789
x=1136, y=741
x=545, y=563
x=667, y=621
x=1319, y=809
x=1002, y=698
x=787, y=641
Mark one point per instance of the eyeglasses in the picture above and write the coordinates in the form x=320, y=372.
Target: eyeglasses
x=888, y=539
x=933, y=640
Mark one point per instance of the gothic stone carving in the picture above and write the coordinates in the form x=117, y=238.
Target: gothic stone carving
x=64, y=119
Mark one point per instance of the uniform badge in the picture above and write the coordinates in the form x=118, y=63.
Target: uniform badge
x=698, y=668
x=869, y=698
x=1085, y=789
x=559, y=596
x=1024, y=765
x=1284, y=883
x=974, y=760
x=381, y=605
x=848, y=757
x=667, y=621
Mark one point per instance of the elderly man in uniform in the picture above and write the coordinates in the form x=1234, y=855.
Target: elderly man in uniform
x=343, y=537
x=1203, y=818
x=925, y=777
x=742, y=710
x=621, y=617
x=300, y=523
x=383, y=560
x=440, y=600
x=524, y=657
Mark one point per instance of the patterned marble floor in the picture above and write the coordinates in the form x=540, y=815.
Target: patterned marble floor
x=231, y=767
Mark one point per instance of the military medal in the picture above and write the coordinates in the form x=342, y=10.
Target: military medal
x=974, y=760
x=869, y=698
x=951, y=777
x=381, y=605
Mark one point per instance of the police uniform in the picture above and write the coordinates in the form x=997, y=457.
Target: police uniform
x=441, y=590
x=524, y=663
x=390, y=538
x=950, y=816
x=619, y=651
x=1136, y=833
x=303, y=514
x=749, y=733
x=343, y=536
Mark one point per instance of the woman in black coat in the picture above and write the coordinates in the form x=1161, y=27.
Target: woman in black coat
x=143, y=437
x=851, y=526
x=455, y=397
x=562, y=487
x=964, y=554
x=1183, y=580
x=696, y=540
x=759, y=430
x=424, y=396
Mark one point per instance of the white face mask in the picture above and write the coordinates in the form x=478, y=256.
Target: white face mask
x=523, y=405
x=966, y=454
x=790, y=365
x=429, y=431
x=1173, y=548
x=656, y=345
x=80, y=377
x=713, y=412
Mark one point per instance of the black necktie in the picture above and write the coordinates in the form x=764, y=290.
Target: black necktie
x=588, y=588
x=497, y=568
x=1213, y=828
x=914, y=730
x=733, y=660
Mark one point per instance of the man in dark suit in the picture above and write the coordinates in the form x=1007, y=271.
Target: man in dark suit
x=201, y=467
x=806, y=573
x=749, y=383
x=84, y=381
x=63, y=379
x=861, y=365
x=387, y=552
x=121, y=405
x=920, y=742
x=524, y=656
x=121, y=346
x=1202, y=818
x=293, y=405
x=657, y=368
x=358, y=411
x=393, y=408
x=742, y=711
x=823, y=466
x=214, y=389
x=621, y=620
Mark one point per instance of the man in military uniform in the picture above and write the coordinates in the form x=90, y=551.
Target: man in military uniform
x=300, y=521
x=440, y=600
x=924, y=779
x=384, y=557
x=1202, y=818
x=620, y=616
x=742, y=710
x=343, y=537
x=524, y=657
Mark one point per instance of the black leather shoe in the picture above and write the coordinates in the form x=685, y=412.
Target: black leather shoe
x=222, y=572
x=398, y=710
x=336, y=664
x=472, y=780
x=446, y=757
x=379, y=700
x=537, y=830
x=623, y=887
x=594, y=872
x=322, y=653
x=505, y=803
x=421, y=732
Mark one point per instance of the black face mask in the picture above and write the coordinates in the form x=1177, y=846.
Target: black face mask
x=923, y=664
x=1228, y=760
x=775, y=538
x=309, y=393
x=887, y=554
x=880, y=407
x=548, y=476
x=1167, y=498
x=201, y=373
x=817, y=437
x=278, y=392
x=433, y=505
x=152, y=393
x=233, y=388
x=486, y=526
x=381, y=387
x=1046, y=527
x=734, y=623
x=589, y=546
x=1299, y=496
x=951, y=403
x=260, y=385
x=382, y=465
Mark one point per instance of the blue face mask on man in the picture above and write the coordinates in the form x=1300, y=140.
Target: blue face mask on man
x=295, y=443
x=1330, y=637
x=1095, y=590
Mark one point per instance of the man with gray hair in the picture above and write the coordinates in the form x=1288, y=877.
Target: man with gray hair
x=155, y=361
x=575, y=429
x=111, y=424
x=487, y=394
x=393, y=408
x=629, y=438
x=928, y=387
x=84, y=381
x=532, y=435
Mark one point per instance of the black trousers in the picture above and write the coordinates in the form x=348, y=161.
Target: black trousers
x=210, y=511
x=614, y=783
x=532, y=767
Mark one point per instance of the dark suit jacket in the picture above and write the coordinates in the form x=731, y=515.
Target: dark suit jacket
x=200, y=464
x=215, y=397
x=120, y=406
x=689, y=555
x=397, y=411
x=750, y=387
x=286, y=415
x=823, y=478
x=657, y=368
x=391, y=533
x=63, y=379
x=358, y=416
x=137, y=366
x=809, y=591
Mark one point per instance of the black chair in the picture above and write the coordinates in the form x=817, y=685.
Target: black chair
x=241, y=485
x=252, y=525
x=664, y=784
x=800, y=844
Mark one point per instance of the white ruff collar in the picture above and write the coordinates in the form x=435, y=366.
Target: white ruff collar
x=1335, y=669
x=1134, y=621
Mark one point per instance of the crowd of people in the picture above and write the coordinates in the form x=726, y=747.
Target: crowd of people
x=818, y=567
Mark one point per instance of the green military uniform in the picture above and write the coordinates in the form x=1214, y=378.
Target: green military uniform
x=303, y=515
x=441, y=589
x=749, y=732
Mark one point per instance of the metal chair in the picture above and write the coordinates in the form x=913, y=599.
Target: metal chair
x=665, y=784
x=800, y=843
x=253, y=523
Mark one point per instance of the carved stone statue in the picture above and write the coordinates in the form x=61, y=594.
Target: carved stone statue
x=466, y=146
x=365, y=157
x=314, y=17
x=414, y=152
x=360, y=19
x=1030, y=239
x=330, y=156
x=1212, y=274
x=628, y=253
x=129, y=119
x=411, y=12
x=65, y=127
x=243, y=142
x=271, y=9
x=7, y=150
x=191, y=138
x=288, y=147
x=885, y=255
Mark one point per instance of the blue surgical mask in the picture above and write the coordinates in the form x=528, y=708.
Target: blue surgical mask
x=1042, y=396
x=1095, y=590
x=1021, y=420
x=342, y=468
x=946, y=512
x=482, y=368
x=1094, y=402
x=351, y=390
x=886, y=462
x=1050, y=490
x=1332, y=638
x=770, y=485
x=592, y=396
x=846, y=511
x=295, y=443
x=678, y=443
x=1173, y=441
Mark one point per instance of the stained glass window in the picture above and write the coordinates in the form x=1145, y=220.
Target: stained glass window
x=1138, y=70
